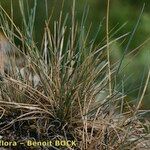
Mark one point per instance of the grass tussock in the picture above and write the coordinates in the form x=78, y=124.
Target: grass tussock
x=64, y=91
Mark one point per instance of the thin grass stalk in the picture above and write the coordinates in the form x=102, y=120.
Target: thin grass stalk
x=143, y=93
x=108, y=49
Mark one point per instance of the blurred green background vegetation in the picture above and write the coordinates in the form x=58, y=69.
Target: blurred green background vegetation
x=121, y=13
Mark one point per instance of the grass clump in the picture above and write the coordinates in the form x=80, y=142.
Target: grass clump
x=62, y=92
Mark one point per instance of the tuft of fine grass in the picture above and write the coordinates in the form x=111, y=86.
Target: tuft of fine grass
x=63, y=91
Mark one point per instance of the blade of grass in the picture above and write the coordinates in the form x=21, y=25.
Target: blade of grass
x=130, y=39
